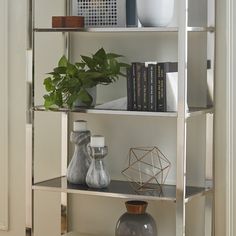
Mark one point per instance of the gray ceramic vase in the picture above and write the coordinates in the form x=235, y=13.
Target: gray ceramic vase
x=136, y=222
x=80, y=162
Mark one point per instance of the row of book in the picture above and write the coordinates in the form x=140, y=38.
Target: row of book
x=152, y=86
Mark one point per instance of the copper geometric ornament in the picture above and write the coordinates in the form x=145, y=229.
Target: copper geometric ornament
x=147, y=168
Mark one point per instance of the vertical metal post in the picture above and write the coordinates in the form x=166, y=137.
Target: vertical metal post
x=211, y=52
x=64, y=134
x=182, y=116
x=210, y=176
x=64, y=152
x=30, y=120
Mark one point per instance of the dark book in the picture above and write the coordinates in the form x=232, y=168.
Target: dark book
x=152, y=85
x=162, y=69
x=129, y=90
x=134, y=87
x=144, y=88
x=138, y=74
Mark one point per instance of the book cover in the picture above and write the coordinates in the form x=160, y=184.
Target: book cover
x=144, y=88
x=152, y=85
x=139, y=84
x=129, y=90
x=134, y=87
x=162, y=69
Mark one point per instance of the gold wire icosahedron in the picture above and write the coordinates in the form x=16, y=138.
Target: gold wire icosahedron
x=147, y=168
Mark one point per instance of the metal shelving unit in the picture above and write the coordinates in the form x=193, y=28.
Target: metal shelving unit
x=179, y=193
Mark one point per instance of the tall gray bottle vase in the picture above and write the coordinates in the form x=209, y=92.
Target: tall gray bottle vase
x=80, y=162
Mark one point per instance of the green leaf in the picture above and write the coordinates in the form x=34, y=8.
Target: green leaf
x=101, y=54
x=58, y=99
x=113, y=55
x=115, y=68
x=71, y=99
x=63, y=62
x=71, y=70
x=91, y=75
x=89, y=62
x=48, y=84
x=80, y=64
x=48, y=101
x=85, y=97
x=59, y=70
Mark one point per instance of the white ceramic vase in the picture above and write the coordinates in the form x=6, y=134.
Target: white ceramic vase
x=93, y=92
x=155, y=12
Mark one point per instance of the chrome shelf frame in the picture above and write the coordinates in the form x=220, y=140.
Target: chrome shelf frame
x=125, y=29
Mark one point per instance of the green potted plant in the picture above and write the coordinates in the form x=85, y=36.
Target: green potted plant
x=69, y=82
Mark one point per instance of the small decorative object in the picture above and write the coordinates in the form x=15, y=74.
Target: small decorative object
x=136, y=221
x=79, y=164
x=147, y=168
x=155, y=12
x=68, y=21
x=101, y=13
x=70, y=83
x=97, y=175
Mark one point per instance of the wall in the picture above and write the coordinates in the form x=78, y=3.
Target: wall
x=4, y=118
x=220, y=120
x=16, y=110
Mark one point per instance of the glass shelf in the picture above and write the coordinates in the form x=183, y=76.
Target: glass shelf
x=192, y=111
x=119, y=189
x=126, y=29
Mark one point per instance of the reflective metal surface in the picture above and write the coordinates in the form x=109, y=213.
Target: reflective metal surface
x=120, y=189
x=126, y=29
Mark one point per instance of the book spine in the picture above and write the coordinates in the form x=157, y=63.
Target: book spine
x=139, y=85
x=134, y=90
x=144, y=80
x=129, y=90
x=152, y=93
x=161, y=106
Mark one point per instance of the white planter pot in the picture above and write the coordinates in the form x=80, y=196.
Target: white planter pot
x=155, y=12
x=93, y=92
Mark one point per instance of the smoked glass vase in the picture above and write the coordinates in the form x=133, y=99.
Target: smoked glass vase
x=136, y=221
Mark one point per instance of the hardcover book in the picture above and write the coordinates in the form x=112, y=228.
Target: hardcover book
x=144, y=88
x=152, y=85
x=139, y=91
x=162, y=69
x=129, y=90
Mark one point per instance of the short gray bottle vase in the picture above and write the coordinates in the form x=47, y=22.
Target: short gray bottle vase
x=136, y=222
x=80, y=162
x=97, y=175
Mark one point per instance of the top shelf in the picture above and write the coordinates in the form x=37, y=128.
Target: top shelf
x=125, y=29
